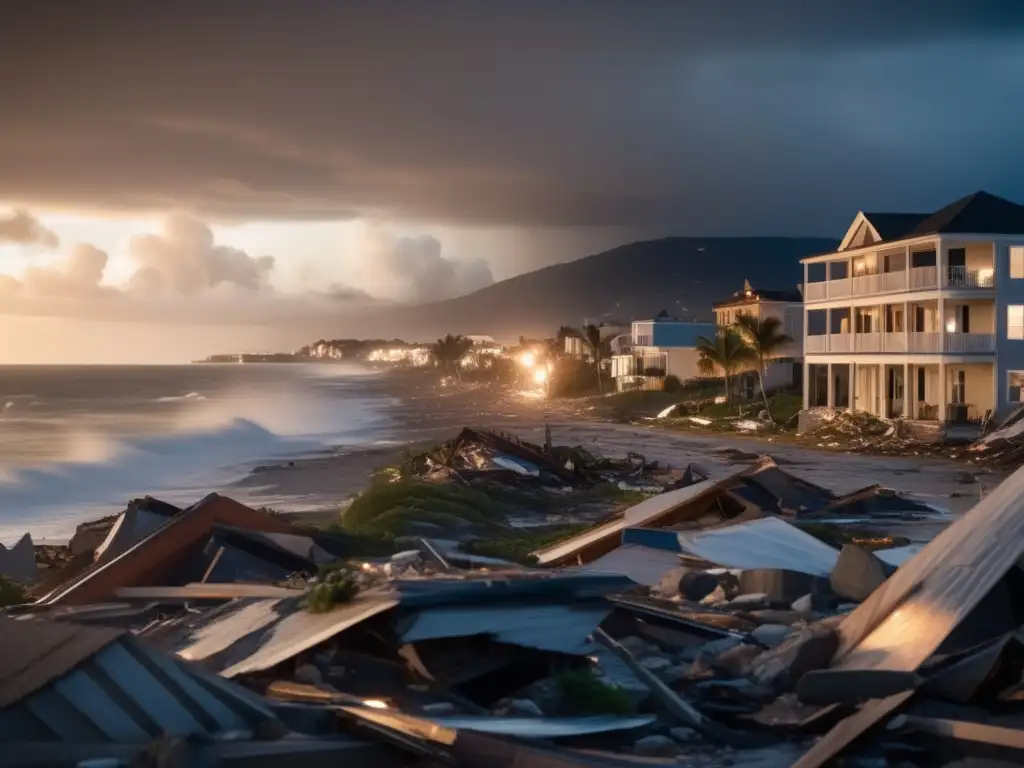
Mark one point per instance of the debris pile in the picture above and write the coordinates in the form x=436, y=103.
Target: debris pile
x=726, y=621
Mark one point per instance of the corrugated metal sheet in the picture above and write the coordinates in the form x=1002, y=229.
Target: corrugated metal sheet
x=125, y=693
x=302, y=630
x=642, y=565
x=765, y=543
x=557, y=628
x=652, y=538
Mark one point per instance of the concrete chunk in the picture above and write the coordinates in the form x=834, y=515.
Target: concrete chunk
x=857, y=573
x=782, y=667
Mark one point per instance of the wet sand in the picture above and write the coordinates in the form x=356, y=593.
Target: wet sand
x=321, y=484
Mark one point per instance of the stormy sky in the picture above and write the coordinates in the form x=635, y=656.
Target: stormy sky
x=255, y=164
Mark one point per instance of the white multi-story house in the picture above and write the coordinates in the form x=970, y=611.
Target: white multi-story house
x=660, y=347
x=788, y=308
x=920, y=316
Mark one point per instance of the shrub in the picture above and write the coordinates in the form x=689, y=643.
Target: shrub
x=583, y=694
x=11, y=592
x=337, y=585
x=671, y=384
x=372, y=509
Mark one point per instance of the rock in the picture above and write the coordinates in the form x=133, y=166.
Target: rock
x=857, y=573
x=715, y=597
x=734, y=661
x=771, y=635
x=439, y=708
x=803, y=604
x=684, y=735
x=654, y=746
x=777, y=583
x=721, y=645
x=655, y=664
x=700, y=669
x=675, y=673
x=781, y=667
x=308, y=674
x=638, y=647
x=696, y=585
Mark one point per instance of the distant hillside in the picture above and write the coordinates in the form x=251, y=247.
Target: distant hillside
x=684, y=275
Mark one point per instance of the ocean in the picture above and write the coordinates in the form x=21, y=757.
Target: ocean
x=77, y=442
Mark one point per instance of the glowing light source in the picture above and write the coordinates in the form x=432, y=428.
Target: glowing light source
x=951, y=326
x=540, y=375
x=528, y=359
x=375, y=704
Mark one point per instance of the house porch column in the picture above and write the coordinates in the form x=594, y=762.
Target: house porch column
x=831, y=401
x=943, y=391
x=807, y=384
x=853, y=386
x=906, y=390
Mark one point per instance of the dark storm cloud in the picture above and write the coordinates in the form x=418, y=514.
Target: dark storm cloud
x=731, y=117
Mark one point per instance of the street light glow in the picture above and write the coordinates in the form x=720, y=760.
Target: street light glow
x=540, y=375
x=528, y=359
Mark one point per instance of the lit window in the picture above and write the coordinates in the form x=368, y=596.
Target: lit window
x=1017, y=261
x=1015, y=321
x=1016, y=382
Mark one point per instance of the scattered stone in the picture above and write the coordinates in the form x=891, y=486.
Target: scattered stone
x=701, y=669
x=685, y=735
x=439, y=708
x=857, y=573
x=771, y=635
x=670, y=584
x=309, y=675
x=804, y=604
x=676, y=673
x=638, y=647
x=656, y=664
x=715, y=597
x=654, y=746
x=696, y=585
x=720, y=645
x=734, y=661
x=781, y=667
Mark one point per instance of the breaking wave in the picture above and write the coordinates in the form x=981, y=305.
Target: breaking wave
x=194, y=396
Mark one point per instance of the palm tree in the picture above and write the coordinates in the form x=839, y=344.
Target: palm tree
x=598, y=349
x=726, y=353
x=765, y=338
x=449, y=351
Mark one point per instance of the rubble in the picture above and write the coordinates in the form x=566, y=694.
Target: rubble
x=719, y=620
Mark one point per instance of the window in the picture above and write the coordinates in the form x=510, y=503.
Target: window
x=1015, y=321
x=1015, y=379
x=1017, y=261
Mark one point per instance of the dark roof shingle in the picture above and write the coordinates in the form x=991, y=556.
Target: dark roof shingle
x=893, y=226
x=980, y=213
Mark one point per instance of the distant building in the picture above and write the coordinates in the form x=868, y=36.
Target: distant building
x=577, y=347
x=920, y=315
x=788, y=306
x=660, y=347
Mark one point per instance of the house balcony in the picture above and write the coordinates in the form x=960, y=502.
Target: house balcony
x=931, y=343
x=918, y=279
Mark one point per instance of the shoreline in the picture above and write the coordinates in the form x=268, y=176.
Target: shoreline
x=314, y=489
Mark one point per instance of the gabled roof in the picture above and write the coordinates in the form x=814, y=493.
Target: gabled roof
x=977, y=213
x=749, y=294
x=894, y=226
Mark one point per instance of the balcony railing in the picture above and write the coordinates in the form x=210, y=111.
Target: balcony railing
x=929, y=342
x=923, y=277
x=894, y=281
x=837, y=289
x=815, y=291
x=962, y=277
x=867, y=284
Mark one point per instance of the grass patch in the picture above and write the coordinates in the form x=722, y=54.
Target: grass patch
x=385, y=510
x=838, y=535
x=337, y=586
x=11, y=592
x=583, y=694
x=517, y=547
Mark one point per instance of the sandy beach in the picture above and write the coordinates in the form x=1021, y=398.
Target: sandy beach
x=317, y=486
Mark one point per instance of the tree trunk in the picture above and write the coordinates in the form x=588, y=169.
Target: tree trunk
x=600, y=381
x=728, y=394
x=764, y=394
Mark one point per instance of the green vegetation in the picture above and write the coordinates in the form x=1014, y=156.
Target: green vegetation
x=337, y=586
x=726, y=353
x=672, y=384
x=449, y=351
x=11, y=592
x=838, y=535
x=387, y=509
x=583, y=694
x=766, y=339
